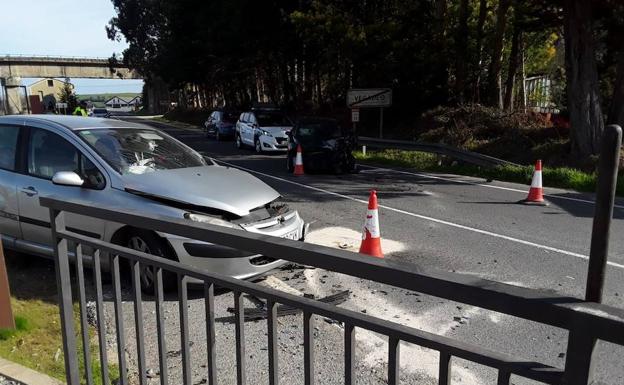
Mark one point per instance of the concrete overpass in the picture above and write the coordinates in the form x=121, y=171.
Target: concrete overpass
x=13, y=95
x=62, y=67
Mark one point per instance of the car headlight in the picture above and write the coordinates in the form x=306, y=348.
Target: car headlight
x=210, y=220
x=266, y=133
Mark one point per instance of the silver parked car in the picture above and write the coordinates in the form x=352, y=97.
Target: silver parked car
x=119, y=164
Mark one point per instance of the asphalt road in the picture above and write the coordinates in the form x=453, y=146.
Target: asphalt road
x=447, y=222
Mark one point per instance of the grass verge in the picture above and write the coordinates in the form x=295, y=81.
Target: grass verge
x=36, y=342
x=562, y=177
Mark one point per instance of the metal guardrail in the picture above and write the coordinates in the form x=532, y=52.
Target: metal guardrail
x=435, y=148
x=587, y=321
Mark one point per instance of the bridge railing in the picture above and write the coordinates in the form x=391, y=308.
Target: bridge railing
x=586, y=321
x=22, y=57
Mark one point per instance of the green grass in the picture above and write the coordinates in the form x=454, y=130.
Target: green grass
x=21, y=324
x=562, y=177
x=37, y=338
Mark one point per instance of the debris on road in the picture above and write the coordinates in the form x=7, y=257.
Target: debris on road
x=252, y=314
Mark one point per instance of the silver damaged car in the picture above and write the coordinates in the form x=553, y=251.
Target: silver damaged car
x=114, y=163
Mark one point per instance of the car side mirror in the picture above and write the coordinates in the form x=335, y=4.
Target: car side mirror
x=67, y=178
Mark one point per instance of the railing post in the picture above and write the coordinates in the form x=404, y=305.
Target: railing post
x=581, y=342
x=63, y=284
x=603, y=214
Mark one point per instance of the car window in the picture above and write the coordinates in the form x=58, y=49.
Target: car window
x=139, y=151
x=252, y=118
x=272, y=119
x=228, y=117
x=8, y=146
x=49, y=153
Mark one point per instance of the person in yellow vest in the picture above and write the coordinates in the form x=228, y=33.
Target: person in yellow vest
x=81, y=109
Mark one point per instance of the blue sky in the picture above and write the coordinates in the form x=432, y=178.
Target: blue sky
x=63, y=28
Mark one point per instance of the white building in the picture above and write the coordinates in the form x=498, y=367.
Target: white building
x=117, y=104
x=136, y=102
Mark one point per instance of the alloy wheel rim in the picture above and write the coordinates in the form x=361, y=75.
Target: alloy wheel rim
x=146, y=275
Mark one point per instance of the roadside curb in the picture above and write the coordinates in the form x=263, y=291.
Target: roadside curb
x=24, y=375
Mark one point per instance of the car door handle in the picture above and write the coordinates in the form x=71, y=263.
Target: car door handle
x=30, y=191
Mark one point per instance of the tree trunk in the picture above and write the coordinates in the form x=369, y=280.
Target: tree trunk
x=461, y=55
x=493, y=94
x=616, y=113
x=441, y=70
x=483, y=8
x=514, y=61
x=586, y=119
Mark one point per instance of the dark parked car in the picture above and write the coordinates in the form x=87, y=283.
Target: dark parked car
x=221, y=124
x=325, y=146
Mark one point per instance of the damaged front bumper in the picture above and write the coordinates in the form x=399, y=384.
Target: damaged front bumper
x=234, y=262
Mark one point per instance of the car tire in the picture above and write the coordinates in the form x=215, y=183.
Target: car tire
x=238, y=142
x=217, y=136
x=290, y=163
x=258, y=146
x=150, y=243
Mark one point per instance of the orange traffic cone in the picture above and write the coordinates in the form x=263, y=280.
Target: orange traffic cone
x=371, y=235
x=298, y=162
x=536, y=192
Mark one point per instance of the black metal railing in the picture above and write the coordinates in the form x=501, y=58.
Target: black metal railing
x=586, y=321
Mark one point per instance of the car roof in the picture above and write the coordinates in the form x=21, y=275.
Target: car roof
x=73, y=123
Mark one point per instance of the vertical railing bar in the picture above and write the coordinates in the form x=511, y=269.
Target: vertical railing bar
x=394, y=347
x=581, y=344
x=210, y=333
x=121, y=339
x=63, y=285
x=503, y=377
x=160, y=327
x=444, y=376
x=349, y=346
x=271, y=308
x=240, y=338
x=101, y=325
x=308, y=348
x=138, y=319
x=603, y=215
x=84, y=325
x=184, y=329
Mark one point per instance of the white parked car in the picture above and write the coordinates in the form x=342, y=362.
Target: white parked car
x=264, y=130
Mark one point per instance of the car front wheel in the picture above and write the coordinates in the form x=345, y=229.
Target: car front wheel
x=258, y=146
x=150, y=243
x=238, y=142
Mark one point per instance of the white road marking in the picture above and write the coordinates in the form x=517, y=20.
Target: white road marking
x=429, y=176
x=427, y=218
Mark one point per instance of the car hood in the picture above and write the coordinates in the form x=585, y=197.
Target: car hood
x=215, y=187
x=277, y=131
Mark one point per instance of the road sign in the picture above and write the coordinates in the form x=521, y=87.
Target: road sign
x=374, y=97
x=355, y=115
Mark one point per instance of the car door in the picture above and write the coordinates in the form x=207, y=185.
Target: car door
x=212, y=122
x=46, y=153
x=9, y=209
x=249, y=132
x=239, y=125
